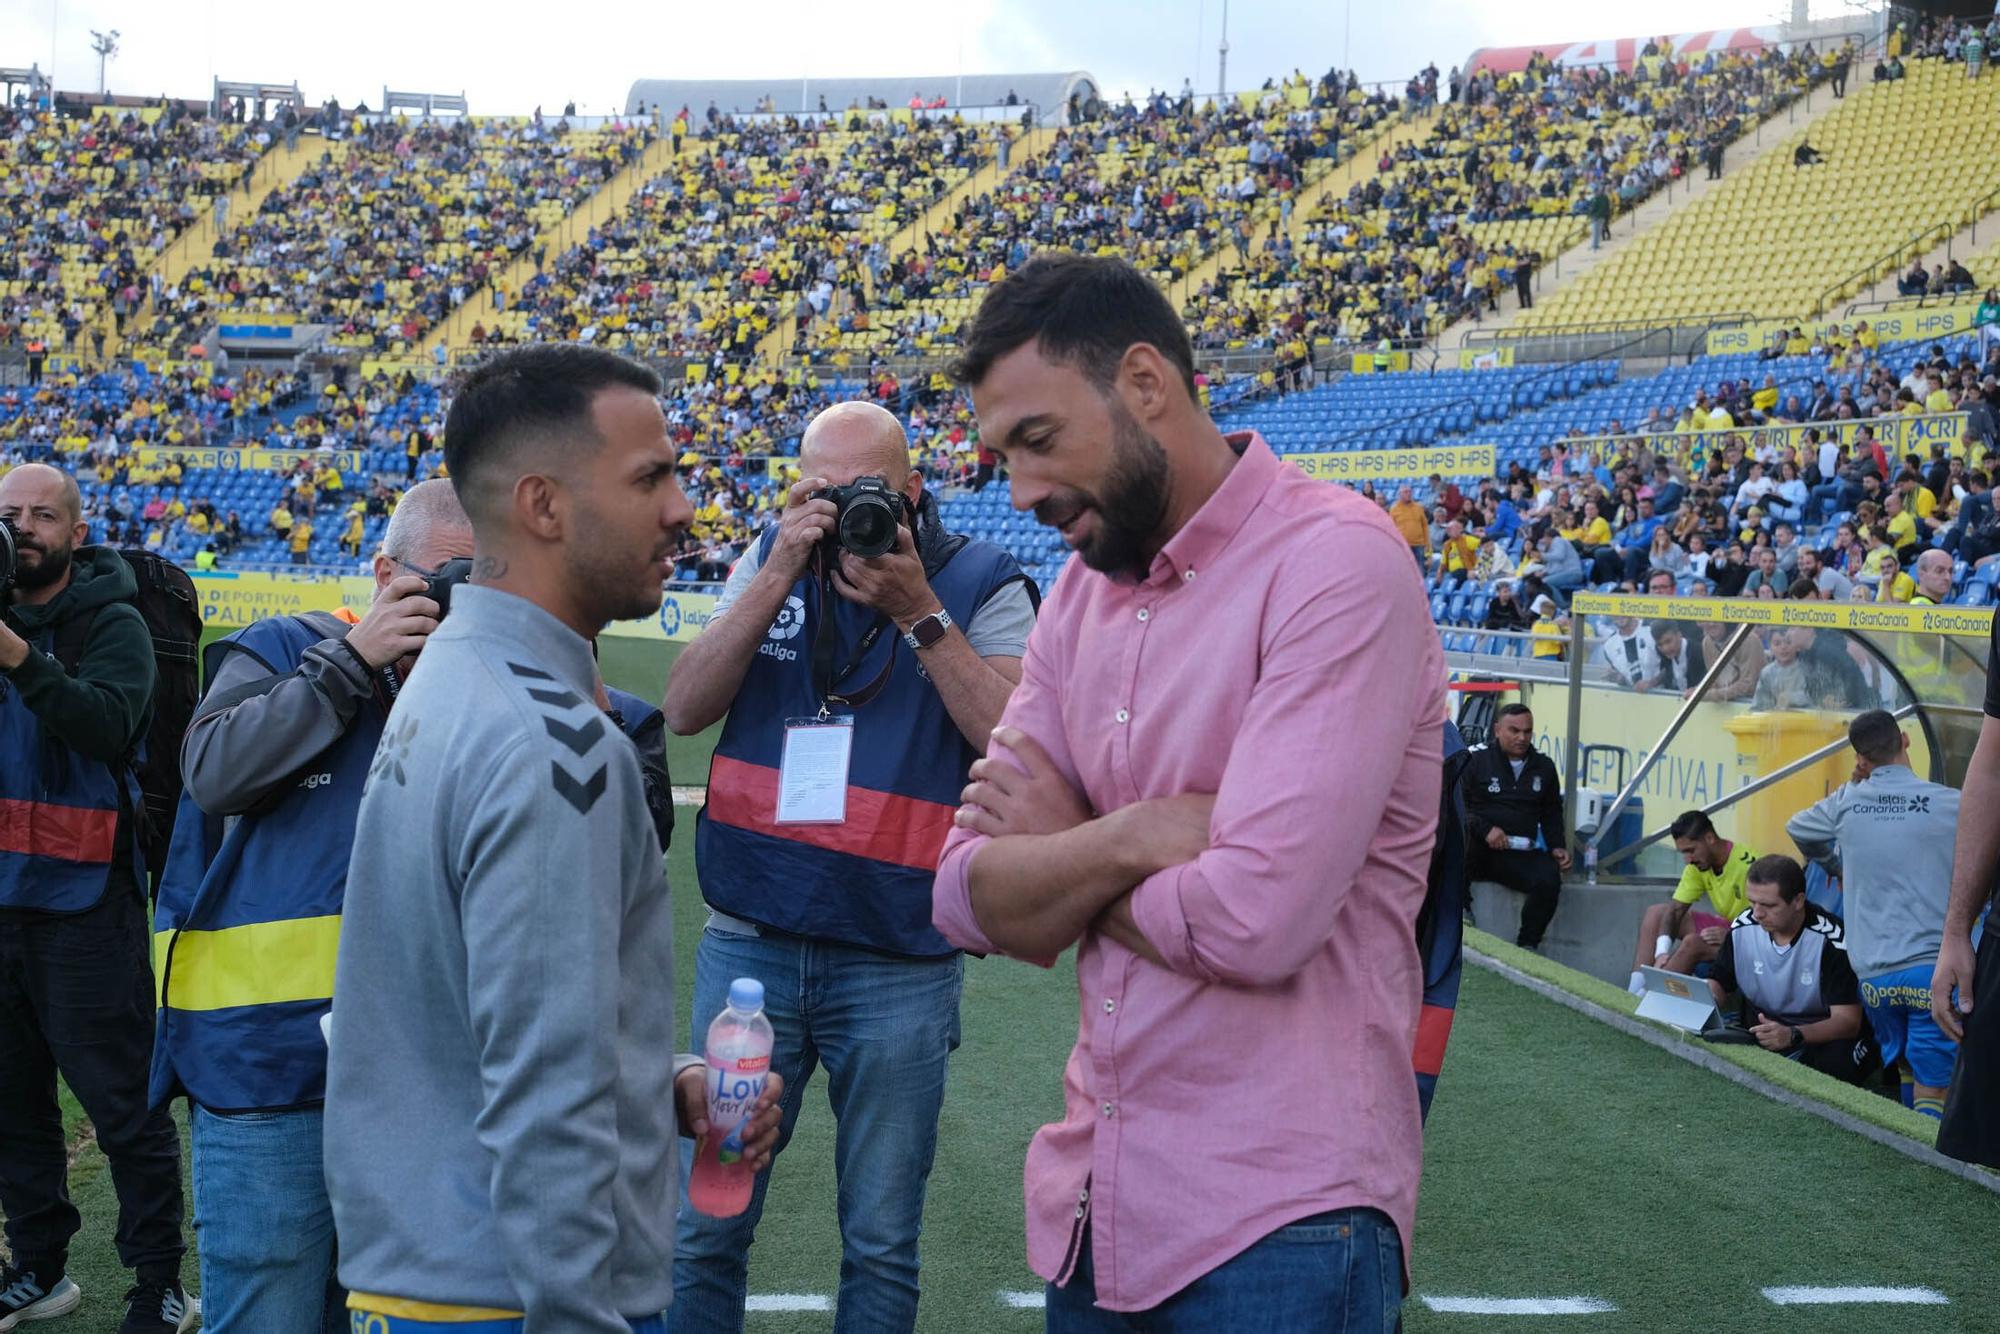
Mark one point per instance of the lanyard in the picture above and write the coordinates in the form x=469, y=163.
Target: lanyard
x=825, y=679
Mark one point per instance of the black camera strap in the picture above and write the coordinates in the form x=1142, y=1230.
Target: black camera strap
x=826, y=645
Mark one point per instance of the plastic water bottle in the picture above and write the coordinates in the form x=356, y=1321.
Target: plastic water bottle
x=1590, y=863
x=739, y=1064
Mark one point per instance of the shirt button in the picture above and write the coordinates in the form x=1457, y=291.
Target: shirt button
x=1110, y=1005
x=1145, y=613
x=1110, y=1109
x=1187, y=576
x=1123, y=715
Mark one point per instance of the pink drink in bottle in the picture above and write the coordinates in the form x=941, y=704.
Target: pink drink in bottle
x=739, y=1063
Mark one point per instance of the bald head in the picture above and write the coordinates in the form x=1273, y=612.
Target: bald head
x=37, y=483
x=855, y=439
x=1934, y=574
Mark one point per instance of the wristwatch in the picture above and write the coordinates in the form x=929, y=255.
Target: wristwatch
x=929, y=630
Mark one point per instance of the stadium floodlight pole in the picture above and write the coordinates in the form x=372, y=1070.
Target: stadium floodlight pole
x=106, y=46
x=1222, y=59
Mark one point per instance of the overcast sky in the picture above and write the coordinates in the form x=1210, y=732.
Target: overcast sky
x=511, y=55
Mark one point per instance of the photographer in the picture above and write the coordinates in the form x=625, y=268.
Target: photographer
x=918, y=650
x=279, y=750
x=76, y=992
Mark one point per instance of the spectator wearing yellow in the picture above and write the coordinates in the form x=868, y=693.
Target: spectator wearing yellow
x=1550, y=630
x=281, y=519
x=1459, y=554
x=1673, y=935
x=350, y=537
x=1412, y=523
x=301, y=541
x=1939, y=398
x=1894, y=585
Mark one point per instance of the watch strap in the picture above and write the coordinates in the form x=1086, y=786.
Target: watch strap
x=929, y=630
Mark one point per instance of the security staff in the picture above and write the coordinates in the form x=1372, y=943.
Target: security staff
x=76, y=994
x=1512, y=793
x=920, y=648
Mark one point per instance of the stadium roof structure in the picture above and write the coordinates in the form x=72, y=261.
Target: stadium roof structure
x=1046, y=92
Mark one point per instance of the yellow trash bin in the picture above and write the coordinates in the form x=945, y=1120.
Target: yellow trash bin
x=1769, y=741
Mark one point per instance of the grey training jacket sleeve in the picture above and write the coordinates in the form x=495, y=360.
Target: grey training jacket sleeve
x=1816, y=830
x=541, y=913
x=254, y=729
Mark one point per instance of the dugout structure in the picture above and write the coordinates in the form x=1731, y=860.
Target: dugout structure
x=1749, y=759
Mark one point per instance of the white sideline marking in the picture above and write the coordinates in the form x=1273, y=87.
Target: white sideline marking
x=788, y=1301
x=1024, y=1300
x=1517, y=1305
x=1833, y=1296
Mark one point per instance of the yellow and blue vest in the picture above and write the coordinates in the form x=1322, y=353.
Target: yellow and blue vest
x=248, y=918
x=60, y=814
x=867, y=881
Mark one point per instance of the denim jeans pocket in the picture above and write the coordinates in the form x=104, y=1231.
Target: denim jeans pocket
x=1318, y=1230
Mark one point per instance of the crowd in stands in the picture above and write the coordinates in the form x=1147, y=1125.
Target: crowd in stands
x=1509, y=172
x=392, y=227
x=92, y=199
x=755, y=221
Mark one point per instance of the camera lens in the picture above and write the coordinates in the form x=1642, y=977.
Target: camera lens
x=8, y=551
x=868, y=526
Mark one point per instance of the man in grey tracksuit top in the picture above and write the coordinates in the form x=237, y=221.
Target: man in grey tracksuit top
x=1891, y=835
x=503, y=1000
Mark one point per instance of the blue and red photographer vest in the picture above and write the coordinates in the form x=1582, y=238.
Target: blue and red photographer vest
x=867, y=881
x=60, y=814
x=248, y=918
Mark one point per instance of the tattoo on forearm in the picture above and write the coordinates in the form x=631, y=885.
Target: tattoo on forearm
x=488, y=568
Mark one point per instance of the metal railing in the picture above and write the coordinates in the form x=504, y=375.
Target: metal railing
x=1594, y=339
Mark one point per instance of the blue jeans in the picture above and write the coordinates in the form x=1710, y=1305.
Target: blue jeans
x=1332, y=1273
x=264, y=1224
x=885, y=1029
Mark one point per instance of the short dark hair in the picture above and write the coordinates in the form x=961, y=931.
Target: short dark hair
x=1691, y=824
x=1082, y=310
x=1876, y=736
x=1511, y=711
x=1779, y=870
x=542, y=390
x=1667, y=628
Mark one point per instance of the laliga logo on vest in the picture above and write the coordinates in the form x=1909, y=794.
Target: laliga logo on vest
x=791, y=620
x=670, y=615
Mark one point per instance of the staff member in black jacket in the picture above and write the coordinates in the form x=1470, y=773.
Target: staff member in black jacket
x=1511, y=791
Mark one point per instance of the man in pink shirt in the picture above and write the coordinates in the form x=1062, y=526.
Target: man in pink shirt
x=1220, y=782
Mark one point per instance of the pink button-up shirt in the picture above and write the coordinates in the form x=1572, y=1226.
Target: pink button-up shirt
x=1279, y=655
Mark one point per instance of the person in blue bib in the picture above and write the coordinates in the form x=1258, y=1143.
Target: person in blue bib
x=857, y=692
x=248, y=917
x=76, y=994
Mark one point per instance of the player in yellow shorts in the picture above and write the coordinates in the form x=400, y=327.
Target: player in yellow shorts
x=1677, y=939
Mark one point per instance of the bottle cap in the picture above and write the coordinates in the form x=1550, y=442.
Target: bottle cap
x=746, y=993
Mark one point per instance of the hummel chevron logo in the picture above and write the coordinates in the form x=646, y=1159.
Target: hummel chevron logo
x=531, y=673
x=562, y=699
x=578, y=739
x=582, y=795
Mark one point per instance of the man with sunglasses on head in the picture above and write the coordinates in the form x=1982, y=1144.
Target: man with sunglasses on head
x=910, y=656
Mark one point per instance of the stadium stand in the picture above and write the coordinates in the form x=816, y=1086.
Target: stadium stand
x=392, y=227
x=761, y=218
x=1885, y=176
x=1504, y=180
x=92, y=199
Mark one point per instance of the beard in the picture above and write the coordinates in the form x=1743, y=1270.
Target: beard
x=50, y=569
x=1131, y=502
x=609, y=583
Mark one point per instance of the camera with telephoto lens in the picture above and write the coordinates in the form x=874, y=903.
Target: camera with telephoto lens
x=10, y=547
x=869, y=510
x=437, y=587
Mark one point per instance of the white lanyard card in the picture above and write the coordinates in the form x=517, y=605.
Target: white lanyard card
x=812, y=775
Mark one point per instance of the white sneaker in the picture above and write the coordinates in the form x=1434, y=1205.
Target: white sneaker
x=23, y=1297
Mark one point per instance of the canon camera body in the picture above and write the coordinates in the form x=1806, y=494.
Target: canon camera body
x=868, y=511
